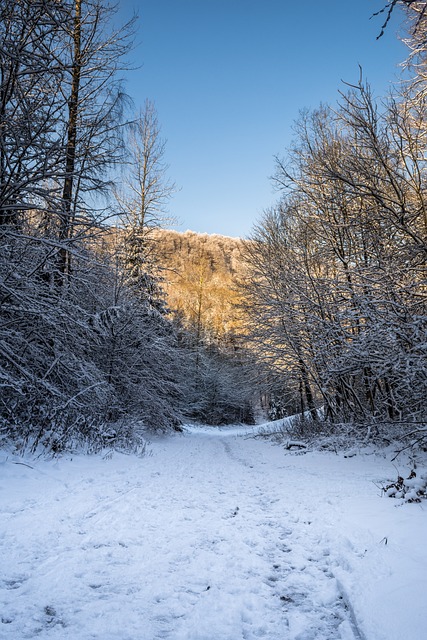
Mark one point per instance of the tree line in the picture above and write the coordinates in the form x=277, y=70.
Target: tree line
x=88, y=353
x=333, y=287
x=336, y=296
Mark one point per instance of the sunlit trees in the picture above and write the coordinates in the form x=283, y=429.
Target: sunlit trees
x=337, y=268
x=278, y=303
x=200, y=274
x=415, y=8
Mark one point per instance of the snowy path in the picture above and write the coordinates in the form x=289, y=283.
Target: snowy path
x=212, y=537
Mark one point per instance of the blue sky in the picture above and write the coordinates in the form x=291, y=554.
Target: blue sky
x=229, y=77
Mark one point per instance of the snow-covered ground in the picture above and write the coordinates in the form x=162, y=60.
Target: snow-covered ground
x=212, y=536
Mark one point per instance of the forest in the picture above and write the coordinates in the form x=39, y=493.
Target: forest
x=111, y=325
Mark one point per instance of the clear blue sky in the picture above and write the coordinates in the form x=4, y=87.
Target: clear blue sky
x=229, y=77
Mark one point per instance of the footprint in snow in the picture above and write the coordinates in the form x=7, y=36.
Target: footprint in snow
x=14, y=583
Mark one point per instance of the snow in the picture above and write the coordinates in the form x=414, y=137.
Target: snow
x=215, y=535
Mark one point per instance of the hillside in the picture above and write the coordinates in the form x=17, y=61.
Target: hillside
x=200, y=273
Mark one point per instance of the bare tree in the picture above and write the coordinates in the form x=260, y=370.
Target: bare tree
x=93, y=119
x=60, y=134
x=411, y=5
x=337, y=288
x=30, y=106
x=147, y=189
x=143, y=202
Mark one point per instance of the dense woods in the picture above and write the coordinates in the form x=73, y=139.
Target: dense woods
x=109, y=323
x=200, y=275
x=337, y=293
x=86, y=349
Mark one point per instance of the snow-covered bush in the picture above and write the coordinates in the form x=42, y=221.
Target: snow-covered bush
x=410, y=489
x=75, y=358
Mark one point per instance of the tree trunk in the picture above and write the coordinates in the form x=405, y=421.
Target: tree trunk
x=66, y=229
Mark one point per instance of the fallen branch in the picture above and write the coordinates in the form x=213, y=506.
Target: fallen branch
x=24, y=464
x=295, y=445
